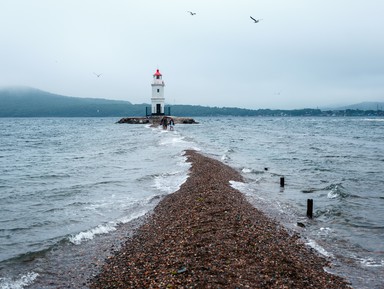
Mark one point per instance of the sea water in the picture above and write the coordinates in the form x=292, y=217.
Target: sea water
x=69, y=183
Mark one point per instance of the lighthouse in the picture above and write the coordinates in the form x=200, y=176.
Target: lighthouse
x=157, y=98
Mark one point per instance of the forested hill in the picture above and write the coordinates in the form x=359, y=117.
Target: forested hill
x=30, y=102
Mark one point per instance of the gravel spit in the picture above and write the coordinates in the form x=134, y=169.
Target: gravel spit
x=207, y=235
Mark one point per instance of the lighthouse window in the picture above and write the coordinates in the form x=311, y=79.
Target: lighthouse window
x=158, y=90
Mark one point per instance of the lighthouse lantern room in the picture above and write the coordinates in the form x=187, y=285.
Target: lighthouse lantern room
x=157, y=99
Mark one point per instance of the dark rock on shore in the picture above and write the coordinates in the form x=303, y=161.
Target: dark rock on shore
x=207, y=235
x=134, y=120
x=184, y=120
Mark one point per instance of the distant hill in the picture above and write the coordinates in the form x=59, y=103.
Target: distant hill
x=31, y=102
x=364, y=106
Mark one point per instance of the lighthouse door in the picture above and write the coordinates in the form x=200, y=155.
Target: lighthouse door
x=158, y=108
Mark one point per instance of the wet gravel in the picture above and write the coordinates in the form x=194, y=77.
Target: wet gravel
x=207, y=235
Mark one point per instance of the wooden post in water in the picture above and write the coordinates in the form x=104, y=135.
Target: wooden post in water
x=310, y=208
x=282, y=182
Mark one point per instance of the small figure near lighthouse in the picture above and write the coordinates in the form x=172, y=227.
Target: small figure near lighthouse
x=157, y=98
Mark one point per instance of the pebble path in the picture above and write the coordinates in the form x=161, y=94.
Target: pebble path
x=207, y=235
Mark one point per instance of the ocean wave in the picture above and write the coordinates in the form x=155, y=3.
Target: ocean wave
x=252, y=171
x=90, y=234
x=329, y=212
x=49, y=176
x=25, y=280
x=318, y=248
x=103, y=229
x=155, y=198
x=309, y=190
x=336, y=191
x=370, y=262
x=177, y=139
x=146, y=178
x=170, y=182
x=374, y=119
x=324, y=231
x=240, y=186
x=225, y=157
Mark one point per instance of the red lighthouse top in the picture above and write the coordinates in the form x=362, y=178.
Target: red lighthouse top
x=157, y=73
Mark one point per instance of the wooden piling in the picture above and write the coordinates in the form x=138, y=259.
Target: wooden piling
x=282, y=183
x=310, y=208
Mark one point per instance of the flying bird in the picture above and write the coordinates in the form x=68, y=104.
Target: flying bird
x=192, y=13
x=256, y=20
x=98, y=75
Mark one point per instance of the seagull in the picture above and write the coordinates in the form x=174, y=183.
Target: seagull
x=98, y=75
x=192, y=13
x=256, y=20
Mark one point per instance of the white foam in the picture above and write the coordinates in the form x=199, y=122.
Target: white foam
x=318, y=248
x=133, y=216
x=89, y=235
x=251, y=171
x=170, y=182
x=240, y=186
x=104, y=229
x=173, y=141
x=325, y=231
x=225, y=157
x=334, y=192
x=370, y=262
x=374, y=119
x=26, y=280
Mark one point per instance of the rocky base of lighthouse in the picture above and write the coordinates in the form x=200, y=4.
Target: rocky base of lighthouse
x=155, y=120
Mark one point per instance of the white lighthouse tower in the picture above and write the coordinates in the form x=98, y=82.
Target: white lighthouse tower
x=157, y=98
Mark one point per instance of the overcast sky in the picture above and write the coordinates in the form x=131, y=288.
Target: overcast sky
x=303, y=53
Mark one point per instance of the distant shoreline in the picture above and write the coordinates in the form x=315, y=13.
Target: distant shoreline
x=29, y=102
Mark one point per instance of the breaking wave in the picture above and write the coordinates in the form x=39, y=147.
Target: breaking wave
x=9, y=283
